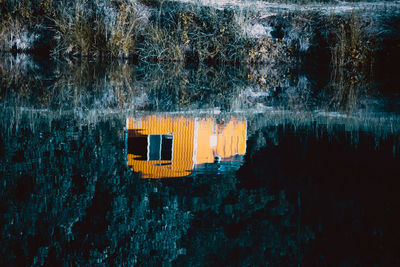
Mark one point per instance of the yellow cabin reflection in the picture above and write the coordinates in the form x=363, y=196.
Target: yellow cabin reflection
x=161, y=147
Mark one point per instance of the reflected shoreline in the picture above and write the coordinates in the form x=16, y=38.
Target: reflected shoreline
x=66, y=86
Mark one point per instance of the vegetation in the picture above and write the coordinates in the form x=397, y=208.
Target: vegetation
x=193, y=34
x=117, y=85
x=125, y=28
x=173, y=31
x=68, y=198
x=317, y=1
x=351, y=46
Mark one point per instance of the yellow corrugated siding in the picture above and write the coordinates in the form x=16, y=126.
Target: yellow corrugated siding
x=230, y=140
x=204, y=152
x=182, y=148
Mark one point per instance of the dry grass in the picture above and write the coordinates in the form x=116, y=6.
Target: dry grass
x=304, y=2
x=21, y=22
x=79, y=31
x=192, y=32
x=158, y=30
x=98, y=30
x=87, y=85
x=161, y=45
x=352, y=62
x=348, y=90
x=352, y=48
x=161, y=31
x=125, y=30
x=215, y=36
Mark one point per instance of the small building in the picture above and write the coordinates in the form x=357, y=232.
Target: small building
x=162, y=147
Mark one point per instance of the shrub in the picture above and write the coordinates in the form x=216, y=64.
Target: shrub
x=352, y=62
x=352, y=47
x=160, y=45
x=214, y=35
x=124, y=30
x=80, y=30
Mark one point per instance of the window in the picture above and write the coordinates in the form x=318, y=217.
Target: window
x=154, y=152
x=151, y=147
x=159, y=147
x=166, y=148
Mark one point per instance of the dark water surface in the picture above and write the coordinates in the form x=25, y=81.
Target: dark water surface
x=189, y=177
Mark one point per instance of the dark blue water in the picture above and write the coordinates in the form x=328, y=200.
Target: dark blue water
x=259, y=186
x=311, y=194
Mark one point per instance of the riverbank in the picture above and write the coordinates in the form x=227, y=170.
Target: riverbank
x=351, y=35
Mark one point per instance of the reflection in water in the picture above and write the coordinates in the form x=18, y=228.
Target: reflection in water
x=310, y=191
x=285, y=186
x=161, y=147
x=118, y=86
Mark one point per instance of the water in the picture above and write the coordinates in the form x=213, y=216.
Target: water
x=196, y=167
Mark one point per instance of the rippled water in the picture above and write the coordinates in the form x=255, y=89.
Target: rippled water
x=197, y=169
